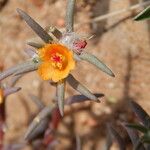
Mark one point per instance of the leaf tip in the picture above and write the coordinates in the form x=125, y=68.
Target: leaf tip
x=19, y=11
x=112, y=74
x=61, y=112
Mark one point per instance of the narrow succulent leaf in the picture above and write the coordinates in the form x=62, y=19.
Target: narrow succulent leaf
x=96, y=62
x=31, y=67
x=80, y=98
x=147, y=146
x=39, y=130
x=35, y=45
x=60, y=96
x=14, y=80
x=141, y=114
x=37, y=101
x=134, y=136
x=15, y=146
x=146, y=137
x=137, y=127
x=31, y=53
x=109, y=141
x=54, y=31
x=35, y=26
x=11, y=90
x=70, y=15
x=117, y=137
x=139, y=145
x=76, y=57
x=53, y=144
x=37, y=123
x=14, y=69
x=80, y=88
x=145, y=14
x=78, y=143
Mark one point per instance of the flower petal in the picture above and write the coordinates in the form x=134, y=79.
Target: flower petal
x=46, y=71
x=50, y=55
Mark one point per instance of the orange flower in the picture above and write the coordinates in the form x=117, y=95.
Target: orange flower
x=1, y=96
x=57, y=62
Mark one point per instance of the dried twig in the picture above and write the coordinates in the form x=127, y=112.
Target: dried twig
x=115, y=13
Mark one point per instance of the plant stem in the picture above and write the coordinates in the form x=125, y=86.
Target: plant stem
x=70, y=15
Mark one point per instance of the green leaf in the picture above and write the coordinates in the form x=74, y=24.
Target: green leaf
x=137, y=127
x=146, y=138
x=145, y=14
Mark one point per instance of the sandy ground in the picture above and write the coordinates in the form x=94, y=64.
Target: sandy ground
x=124, y=45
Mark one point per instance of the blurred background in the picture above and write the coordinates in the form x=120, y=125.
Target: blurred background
x=121, y=43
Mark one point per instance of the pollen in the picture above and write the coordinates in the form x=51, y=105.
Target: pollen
x=57, y=57
x=57, y=60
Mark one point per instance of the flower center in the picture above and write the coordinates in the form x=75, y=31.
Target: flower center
x=57, y=60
